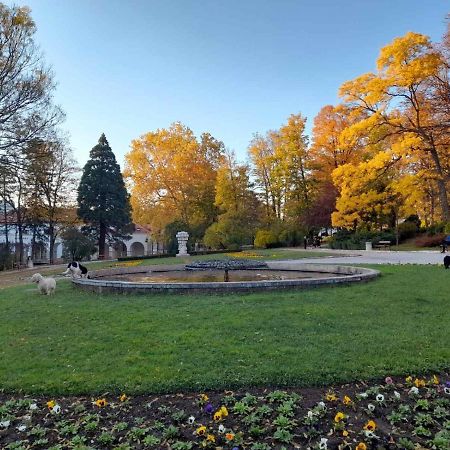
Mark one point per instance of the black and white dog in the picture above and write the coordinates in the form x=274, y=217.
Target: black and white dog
x=76, y=270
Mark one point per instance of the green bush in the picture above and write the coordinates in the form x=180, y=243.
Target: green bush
x=346, y=240
x=407, y=230
x=265, y=239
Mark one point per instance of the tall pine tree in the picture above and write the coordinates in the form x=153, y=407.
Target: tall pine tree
x=103, y=201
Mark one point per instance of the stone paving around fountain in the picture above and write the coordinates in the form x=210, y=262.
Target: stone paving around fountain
x=377, y=257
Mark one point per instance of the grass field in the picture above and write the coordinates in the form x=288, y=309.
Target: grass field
x=77, y=342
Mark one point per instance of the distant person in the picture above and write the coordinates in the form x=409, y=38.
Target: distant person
x=445, y=243
x=305, y=242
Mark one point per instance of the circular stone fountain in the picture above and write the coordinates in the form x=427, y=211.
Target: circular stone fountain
x=216, y=276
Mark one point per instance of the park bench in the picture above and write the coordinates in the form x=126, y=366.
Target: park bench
x=383, y=245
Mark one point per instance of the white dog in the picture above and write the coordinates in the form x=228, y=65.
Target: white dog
x=46, y=286
x=76, y=270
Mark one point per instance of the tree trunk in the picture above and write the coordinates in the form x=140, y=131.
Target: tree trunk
x=51, y=235
x=101, y=241
x=443, y=199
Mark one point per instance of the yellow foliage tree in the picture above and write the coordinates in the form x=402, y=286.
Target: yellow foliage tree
x=396, y=105
x=172, y=176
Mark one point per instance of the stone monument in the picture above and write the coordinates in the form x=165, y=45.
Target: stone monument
x=182, y=238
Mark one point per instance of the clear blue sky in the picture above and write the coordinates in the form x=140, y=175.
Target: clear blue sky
x=230, y=67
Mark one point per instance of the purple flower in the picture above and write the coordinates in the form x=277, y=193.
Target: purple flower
x=208, y=408
x=388, y=380
x=447, y=384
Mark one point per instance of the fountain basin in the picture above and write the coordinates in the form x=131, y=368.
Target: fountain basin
x=176, y=279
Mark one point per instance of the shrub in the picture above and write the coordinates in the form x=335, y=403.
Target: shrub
x=430, y=241
x=265, y=239
x=407, y=230
x=346, y=240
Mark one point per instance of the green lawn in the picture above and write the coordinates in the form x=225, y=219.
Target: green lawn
x=77, y=342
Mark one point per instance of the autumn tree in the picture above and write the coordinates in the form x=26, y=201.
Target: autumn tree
x=172, y=177
x=238, y=206
x=281, y=164
x=26, y=83
x=328, y=149
x=103, y=201
x=396, y=103
x=51, y=170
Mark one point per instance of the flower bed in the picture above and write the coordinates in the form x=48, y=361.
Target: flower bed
x=397, y=413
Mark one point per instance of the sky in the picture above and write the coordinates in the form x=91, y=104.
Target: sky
x=228, y=67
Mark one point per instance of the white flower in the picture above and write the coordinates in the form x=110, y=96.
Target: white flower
x=447, y=390
x=33, y=407
x=380, y=398
x=363, y=395
x=56, y=409
x=5, y=424
x=370, y=434
x=397, y=395
x=21, y=427
x=221, y=429
x=323, y=443
x=310, y=414
x=191, y=420
x=413, y=391
x=322, y=405
x=371, y=407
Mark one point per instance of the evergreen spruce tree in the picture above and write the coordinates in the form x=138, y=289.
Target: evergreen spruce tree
x=103, y=201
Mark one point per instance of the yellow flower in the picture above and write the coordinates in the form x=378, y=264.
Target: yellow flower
x=345, y=433
x=211, y=438
x=361, y=446
x=101, y=402
x=347, y=400
x=51, y=404
x=224, y=411
x=339, y=417
x=331, y=397
x=217, y=416
x=123, y=397
x=201, y=430
x=435, y=379
x=408, y=379
x=419, y=382
x=204, y=398
x=370, y=426
x=229, y=436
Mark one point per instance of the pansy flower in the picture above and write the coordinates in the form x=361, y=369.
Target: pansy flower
x=370, y=425
x=221, y=429
x=208, y=408
x=323, y=444
x=123, y=398
x=51, y=404
x=339, y=417
x=191, y=420
x=101, y=402
x=229, y=436
x=331, y=397
x=217, y=416
x=347, y=400
x=361, y=446
x=201, y=430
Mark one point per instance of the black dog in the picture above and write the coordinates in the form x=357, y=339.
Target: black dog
x=76, y=270
x=447, y=261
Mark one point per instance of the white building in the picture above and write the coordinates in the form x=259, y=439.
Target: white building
x=140, y=243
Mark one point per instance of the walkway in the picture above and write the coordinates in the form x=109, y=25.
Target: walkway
x=378, y=257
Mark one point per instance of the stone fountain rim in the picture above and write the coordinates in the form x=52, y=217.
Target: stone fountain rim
x=354, y=274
